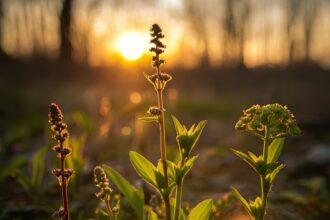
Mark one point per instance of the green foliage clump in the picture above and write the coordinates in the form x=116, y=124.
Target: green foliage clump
x=278, y=119
x=32, y=184
x=271, y=123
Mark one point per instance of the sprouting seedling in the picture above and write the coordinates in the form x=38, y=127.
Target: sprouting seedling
x=59, y=127
x=102, y=182
x=270, y=123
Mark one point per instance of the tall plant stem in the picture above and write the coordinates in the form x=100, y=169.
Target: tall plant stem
x=178, y=192
x=108, y=209
x=64, y=185
x=178, y=198
x=166, y=197
x=264, y=190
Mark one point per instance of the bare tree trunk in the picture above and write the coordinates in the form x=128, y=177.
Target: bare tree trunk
x=2, y=52
x=310, y=17
x=229, y=31
x=65, y=29
x=292, y=11
x=196, y=16
x=241, y=25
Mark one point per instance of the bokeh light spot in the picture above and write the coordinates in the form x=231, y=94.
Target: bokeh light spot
x=135, y=97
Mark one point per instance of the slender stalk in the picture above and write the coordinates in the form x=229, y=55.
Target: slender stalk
x=159, y=82
x=58, y=126
x=264, y=191
x=178, y=192
x=161, y=120
x=64, y=184
x=178, y=198
x=108, y=209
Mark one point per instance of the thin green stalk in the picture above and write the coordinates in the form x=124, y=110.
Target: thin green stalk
x=108, y=209
x=161, y=120
x=178, y=197
x=264, y=191
x=178, y=193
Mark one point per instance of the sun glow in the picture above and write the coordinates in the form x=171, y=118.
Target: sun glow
x=131, y=45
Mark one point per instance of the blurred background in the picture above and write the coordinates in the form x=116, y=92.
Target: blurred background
x=89, y=55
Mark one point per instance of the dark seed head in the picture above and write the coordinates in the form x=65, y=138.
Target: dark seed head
x=59, y=213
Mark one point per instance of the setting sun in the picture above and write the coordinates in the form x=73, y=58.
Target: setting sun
x=131, y=45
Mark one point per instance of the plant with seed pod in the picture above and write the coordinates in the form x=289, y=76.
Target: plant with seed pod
x=105, y=193
x=59, y=127
x=167, y=175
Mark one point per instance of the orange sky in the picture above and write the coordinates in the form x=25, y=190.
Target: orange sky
x=100, y=30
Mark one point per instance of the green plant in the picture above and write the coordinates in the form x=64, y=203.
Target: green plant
x=76, y=160
x=167, y=175
x=187, y=140
x=32, y=184
x=159, y=81
x=59, y=127
x=270, y=123
x=105, y=192
x=135, y=197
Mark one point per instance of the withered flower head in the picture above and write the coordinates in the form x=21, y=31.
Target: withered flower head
x=155, y=110
x=57, y=123
x=278, y=119
x=158, y=48
x=59, y=213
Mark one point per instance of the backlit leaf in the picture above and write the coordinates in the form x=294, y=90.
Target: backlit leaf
x=275, y=149
x=146, y=170
x=135, y=197
x=202, y=211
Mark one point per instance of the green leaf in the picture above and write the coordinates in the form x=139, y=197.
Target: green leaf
x=188, y=165
x=246, y=158
x=135, y=197
x=253, y=156
x=195, y=133
x=187, y=139
x=275, y=149
x=171, y=170
x=182, y=215
x=202, y=211
x=147, y=170
x=242, y=200
x=149, y=118
x=152, y=215
x=38, y=167
x=273, y=174
x=180, y=129
x=75, y=160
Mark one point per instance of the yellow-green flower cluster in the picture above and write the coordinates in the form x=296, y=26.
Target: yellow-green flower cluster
x=277, y=119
